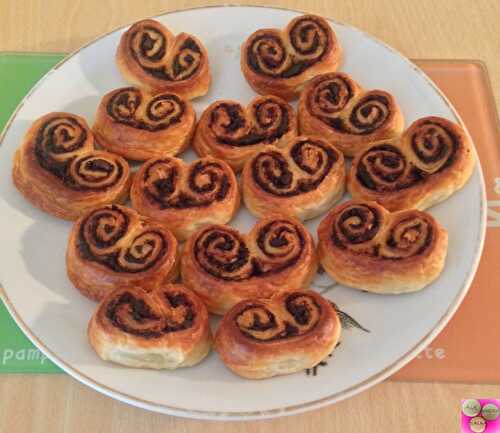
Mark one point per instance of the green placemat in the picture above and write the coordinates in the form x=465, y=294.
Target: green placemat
x=18, y=74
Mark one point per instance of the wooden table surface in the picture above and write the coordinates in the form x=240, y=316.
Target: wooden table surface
x=419, y=29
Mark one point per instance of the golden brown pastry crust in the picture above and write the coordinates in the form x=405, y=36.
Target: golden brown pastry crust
x=260, y=338
x=431, y=160
x=151, y=57
x=224, y=266
x=184, y=197
x=337, y=108
x=278, y=62
x=362, y=245
x=140, y=126
x=113, y=246
x=166, y=328
x=302, y=180
x=58, y=170
x=233, y=133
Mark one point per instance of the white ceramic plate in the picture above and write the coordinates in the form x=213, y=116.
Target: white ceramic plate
x=54, y=315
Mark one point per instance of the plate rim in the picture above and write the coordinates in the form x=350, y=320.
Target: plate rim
x=291, y=409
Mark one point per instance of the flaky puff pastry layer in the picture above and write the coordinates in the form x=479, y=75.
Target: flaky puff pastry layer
x=166, y=328
x=151, y=57
x=113, y=246
x=302, y=180
x=279, y=62
x=335, y=107
x=184, y=197
x=225, y=266
x=364, y=246
x=140, y=126
x=231, y=132
x=260, y=338
x=429, y=162
x=58, y=169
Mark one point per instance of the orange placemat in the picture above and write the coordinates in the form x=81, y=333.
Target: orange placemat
x=468, y=349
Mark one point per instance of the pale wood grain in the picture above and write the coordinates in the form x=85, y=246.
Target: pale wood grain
x=57, y=403
x=419, y=29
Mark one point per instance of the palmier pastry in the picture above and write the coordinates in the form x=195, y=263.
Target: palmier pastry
x=224, y=266
x=302, y=180
x=431, y=161
x=278, y=62
x=166, y=328
x=113, y=246
x=58, y=170
x=261, y=338
x=151, y=57
x=185, y=197
x=230, y=132
x=336, y=108
x=139, y=126
x=364, y=246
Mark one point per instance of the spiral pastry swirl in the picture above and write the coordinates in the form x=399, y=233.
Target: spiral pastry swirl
x=149, y=328
x=408, y=236
x=135, y=315
x=140, y=126
x=149, y=45
x=434, y=146
x=182, y=196
x=302, y=179
x=159, y=112
x=260, y=323
x=101, y=238
x=64, y=147
x=359, y=237
x=233, y=133
x=331, y=94
x=291, y=331
x=284, y=59
x=150, y=55
x=430, y=161
x=118, y=246
x=336, y=107
x=357, y=226
x=308, y=41
x=223, y=253
x=207, y=181
x=231, y=126
x=271, y=170
x=224, y=266
x=385, y=168
x=58, y=170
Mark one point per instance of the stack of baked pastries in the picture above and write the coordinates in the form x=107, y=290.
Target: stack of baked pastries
x=154, y=297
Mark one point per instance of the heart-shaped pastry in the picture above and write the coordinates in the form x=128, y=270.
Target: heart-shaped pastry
x=184, y=197
x=113, y=246
x=261, y=338
x=166, y=328
x=150, y=56
x=233, y=133
x=303, y=179
x=428, y=163
x=364, y=246
x=278, y=62
x=225, y=266
x=337, y=108
x=58, y=169
x=140, y=126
